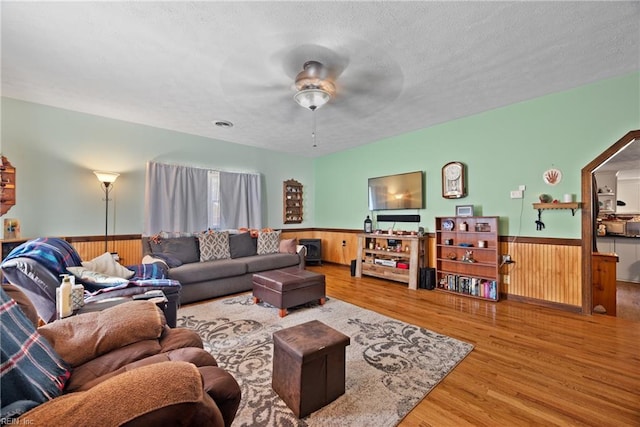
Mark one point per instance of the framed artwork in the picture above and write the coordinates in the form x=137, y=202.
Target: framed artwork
x=453, y=181
x=464, y=210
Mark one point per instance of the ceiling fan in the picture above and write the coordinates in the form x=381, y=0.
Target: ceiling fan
x=356, y=78
x=314, y=85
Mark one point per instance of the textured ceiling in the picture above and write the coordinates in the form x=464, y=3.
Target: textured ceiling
x=402, y=66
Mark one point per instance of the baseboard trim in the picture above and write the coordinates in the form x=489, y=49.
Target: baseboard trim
x=549, y=304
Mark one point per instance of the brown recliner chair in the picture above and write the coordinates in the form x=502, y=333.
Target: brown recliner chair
x=129, y=368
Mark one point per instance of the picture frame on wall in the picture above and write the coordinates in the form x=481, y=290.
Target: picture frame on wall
x=464, y=210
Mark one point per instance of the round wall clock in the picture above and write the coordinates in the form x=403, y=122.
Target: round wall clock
x=453, y=181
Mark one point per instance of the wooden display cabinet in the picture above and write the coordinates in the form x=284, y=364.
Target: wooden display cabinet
x=292, y=200
x=468, y=256
x=392, y=257
x=7, y=186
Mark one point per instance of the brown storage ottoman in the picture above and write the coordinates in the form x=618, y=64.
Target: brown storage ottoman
x=308, y=366
x=288, y=287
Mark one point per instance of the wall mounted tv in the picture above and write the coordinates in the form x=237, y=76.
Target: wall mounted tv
x=402, y=191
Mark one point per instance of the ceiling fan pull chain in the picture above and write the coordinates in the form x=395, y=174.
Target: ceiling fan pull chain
x=313, y=134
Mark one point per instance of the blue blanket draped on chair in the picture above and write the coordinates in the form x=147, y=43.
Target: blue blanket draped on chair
x=53, y=253
x=36, y=266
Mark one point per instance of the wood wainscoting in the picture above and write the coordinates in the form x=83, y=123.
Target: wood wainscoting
x=546, y=271
x=128, y=247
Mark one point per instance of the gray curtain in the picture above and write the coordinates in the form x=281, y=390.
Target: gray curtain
x=240, y=200
x=175, y=198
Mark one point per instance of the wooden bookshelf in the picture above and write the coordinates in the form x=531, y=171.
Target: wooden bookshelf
x=467, y=256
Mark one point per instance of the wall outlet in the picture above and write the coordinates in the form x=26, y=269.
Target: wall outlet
x=506, y=259
x=505, y=279
x=344, y=243
x=522, y=187
x=516, y=194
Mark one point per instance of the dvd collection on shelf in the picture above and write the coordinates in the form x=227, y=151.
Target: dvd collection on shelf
x=475, y=286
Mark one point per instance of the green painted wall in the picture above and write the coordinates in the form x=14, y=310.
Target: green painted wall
x=55, y=152
x=502, y=149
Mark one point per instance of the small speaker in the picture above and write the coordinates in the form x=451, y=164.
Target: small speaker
x=427, y=279
x=353, y=267
x=398, y=218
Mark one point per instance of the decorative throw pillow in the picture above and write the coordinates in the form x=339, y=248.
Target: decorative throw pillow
x=241, y=245
x=288, y=246
x=269, y=242
x=90, y=277
x=105, y=264
x=33, y=373
x=214, y=246
x=184, y=249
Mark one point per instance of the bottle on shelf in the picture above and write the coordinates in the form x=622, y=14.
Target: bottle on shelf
x=368, y=225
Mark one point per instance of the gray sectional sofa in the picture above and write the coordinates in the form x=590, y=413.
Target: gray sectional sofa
x=203, y=280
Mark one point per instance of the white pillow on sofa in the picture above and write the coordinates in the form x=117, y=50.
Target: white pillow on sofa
x=105, y=264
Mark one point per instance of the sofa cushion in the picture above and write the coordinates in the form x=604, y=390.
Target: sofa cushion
x=288, y=246
x=105, y=264
x=168, y=259
x=214, y=245
x=271, y=261
x=184, y=249
x=268, y=242
x=241, y=245
x=32, y=372
x=208, y=270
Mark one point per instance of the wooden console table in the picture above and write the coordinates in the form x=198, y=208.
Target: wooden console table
x=376, y=257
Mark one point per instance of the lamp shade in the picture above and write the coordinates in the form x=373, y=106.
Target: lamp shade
x=106, y=177
x=312, y=99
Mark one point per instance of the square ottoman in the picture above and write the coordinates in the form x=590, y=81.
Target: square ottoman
x=288, y=287
x=308, y=366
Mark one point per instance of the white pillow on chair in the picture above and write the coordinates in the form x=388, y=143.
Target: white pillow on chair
x=105, y=264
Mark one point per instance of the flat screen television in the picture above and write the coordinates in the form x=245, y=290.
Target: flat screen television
x=401, y=191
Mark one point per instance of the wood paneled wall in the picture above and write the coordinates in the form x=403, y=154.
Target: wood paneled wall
x=546, y=271
x=129, y=248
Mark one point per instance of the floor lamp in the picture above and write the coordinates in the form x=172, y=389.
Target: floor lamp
x=106, y=179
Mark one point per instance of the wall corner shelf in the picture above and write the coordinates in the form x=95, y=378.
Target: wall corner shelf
x=292, y=201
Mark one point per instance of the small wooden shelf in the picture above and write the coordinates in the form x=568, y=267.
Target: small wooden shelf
x=574, y=206
x=292, y=202
x=7, y=186
x=413, y=254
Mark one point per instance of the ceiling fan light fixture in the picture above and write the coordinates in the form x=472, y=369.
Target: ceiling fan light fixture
x=312, y=98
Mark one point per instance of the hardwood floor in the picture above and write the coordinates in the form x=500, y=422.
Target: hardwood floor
x=530, y=365
x=628, y=300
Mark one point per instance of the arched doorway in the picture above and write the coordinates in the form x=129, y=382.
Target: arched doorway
x=588, y=217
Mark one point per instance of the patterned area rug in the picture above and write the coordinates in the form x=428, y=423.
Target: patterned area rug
x=390, y=365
